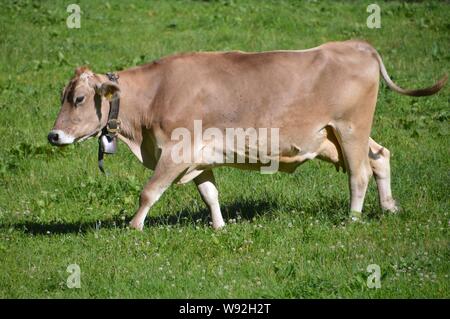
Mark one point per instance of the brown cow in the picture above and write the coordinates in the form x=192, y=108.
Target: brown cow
x=321, y=102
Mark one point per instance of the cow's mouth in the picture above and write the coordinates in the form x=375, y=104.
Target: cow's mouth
x=88, y=136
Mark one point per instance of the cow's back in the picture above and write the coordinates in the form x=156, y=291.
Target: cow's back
x=277, y=88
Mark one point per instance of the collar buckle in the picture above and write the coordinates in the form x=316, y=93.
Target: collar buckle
x=113, y=126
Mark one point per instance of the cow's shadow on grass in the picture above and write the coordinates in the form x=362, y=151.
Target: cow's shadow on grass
x=331, y=210
x=246, y=210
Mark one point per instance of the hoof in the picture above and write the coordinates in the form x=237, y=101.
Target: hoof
x=355, y=216
x=136, y=225
x=391, y=206
x=218, y=226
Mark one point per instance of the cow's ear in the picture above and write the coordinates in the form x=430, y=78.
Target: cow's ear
x=107, y=89
x=81, y=69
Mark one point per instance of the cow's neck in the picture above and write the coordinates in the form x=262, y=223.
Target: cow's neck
x=137, y=92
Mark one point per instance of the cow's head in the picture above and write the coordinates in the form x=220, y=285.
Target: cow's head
x=84, y=110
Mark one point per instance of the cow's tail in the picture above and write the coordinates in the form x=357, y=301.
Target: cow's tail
x=418, y=92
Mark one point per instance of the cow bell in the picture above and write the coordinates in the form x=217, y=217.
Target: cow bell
x=108, y=144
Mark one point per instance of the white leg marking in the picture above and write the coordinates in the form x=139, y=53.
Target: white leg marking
x=210, y=195
x=379, y=161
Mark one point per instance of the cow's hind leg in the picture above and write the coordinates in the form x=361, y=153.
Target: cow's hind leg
x=355, y=147
x=379, y=161
x=166, y=172
x=349, y=152
x=208, y=190
x=378, y=155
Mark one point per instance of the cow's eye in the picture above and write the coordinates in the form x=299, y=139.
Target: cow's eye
x=79, y=100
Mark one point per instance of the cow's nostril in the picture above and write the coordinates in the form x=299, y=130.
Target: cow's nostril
x=53, y=137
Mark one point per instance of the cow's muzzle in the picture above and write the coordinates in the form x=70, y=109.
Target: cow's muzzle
x=58, y=137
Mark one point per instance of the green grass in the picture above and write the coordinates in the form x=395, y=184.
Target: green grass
x=288, y=236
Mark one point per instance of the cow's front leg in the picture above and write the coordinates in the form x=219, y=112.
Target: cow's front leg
x=206, y=185
x=166, y=172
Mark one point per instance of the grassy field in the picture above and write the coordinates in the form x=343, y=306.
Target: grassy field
x=288, y=236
